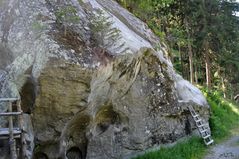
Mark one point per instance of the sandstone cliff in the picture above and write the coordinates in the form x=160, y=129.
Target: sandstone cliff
x=95, y=82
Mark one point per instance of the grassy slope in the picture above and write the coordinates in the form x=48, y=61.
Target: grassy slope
x=225, y=116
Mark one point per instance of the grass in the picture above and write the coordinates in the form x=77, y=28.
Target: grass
x=224, y=117
x=183, y=150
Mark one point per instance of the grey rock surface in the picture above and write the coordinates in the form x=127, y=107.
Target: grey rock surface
x=95, y=79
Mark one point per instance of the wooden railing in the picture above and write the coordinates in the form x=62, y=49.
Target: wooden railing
x=13, y=133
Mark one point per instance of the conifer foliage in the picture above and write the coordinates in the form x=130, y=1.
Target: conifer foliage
x=203, y=37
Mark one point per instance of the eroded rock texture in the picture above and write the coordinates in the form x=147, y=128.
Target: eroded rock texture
x=95, y=82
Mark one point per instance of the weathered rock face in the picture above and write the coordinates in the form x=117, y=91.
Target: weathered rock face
x=94, y=79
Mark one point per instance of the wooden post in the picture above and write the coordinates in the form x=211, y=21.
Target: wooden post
x=21, y=126
x=12, y=142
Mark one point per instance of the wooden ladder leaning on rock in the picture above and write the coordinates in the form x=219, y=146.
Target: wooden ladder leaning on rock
x=12, y=133
x=204, y=131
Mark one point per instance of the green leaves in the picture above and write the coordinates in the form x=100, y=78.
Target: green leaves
x=67, y=14
x=102, y=32
x=211, y=22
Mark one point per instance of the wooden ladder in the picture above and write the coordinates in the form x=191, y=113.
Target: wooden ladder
x=204, y=132
x=12, y=133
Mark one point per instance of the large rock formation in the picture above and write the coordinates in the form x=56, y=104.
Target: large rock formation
x=94, y=79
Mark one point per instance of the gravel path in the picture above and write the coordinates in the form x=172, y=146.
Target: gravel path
x=229, y=149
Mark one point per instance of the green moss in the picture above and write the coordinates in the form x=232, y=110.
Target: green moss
x=79, y=123
x=38, y=26
x=152, y=74
x=147, y=53
x=106, y=114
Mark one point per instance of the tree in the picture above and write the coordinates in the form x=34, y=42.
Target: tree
x=66, y=15
x=104, y=37
x=203, y=36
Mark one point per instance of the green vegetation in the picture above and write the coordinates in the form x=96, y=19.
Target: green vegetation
x=202, y=36
x=103, y=34
x=190, y=149
x=66, y=15
x=203, y=41
x=38, y=26
x=225, y=116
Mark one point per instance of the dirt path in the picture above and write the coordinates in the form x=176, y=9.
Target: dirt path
x=228, y=149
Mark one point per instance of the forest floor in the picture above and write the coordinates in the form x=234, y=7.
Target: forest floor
x=228, y=149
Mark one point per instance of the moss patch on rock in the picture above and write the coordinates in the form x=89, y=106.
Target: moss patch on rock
x=106, y=116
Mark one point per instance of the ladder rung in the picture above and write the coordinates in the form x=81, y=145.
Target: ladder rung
x=204, y=137
x=10, y=113
x=192, y=111
x=210, y=142
x=205, y=130
x=7, y=137
x=196, y=115
x=5, y=131
x=198, y=120
x=8, y=99
x=200, y=126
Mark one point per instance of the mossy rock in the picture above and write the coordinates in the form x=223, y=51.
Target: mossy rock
x=107, y=114
x=79, y=123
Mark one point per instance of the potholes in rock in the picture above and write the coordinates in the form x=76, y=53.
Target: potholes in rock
x=28, y=95
x=78, y=149
x=40, y=155
x=105, y=117
x=74, y=137
x=74, y=153
x=4, y=148
x=187, y=128
x=163, y=138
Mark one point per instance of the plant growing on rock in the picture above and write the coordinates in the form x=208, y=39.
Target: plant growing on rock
x=104, y=36
x=38, y=26
x=66, y=15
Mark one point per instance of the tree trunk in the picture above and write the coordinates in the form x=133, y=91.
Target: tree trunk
x=190, y=56
x=206, y=46
x=181, y=60
x=231, y=91
x=208, y=66
x=223, y=87
x=190, y=53
x=196, y=74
